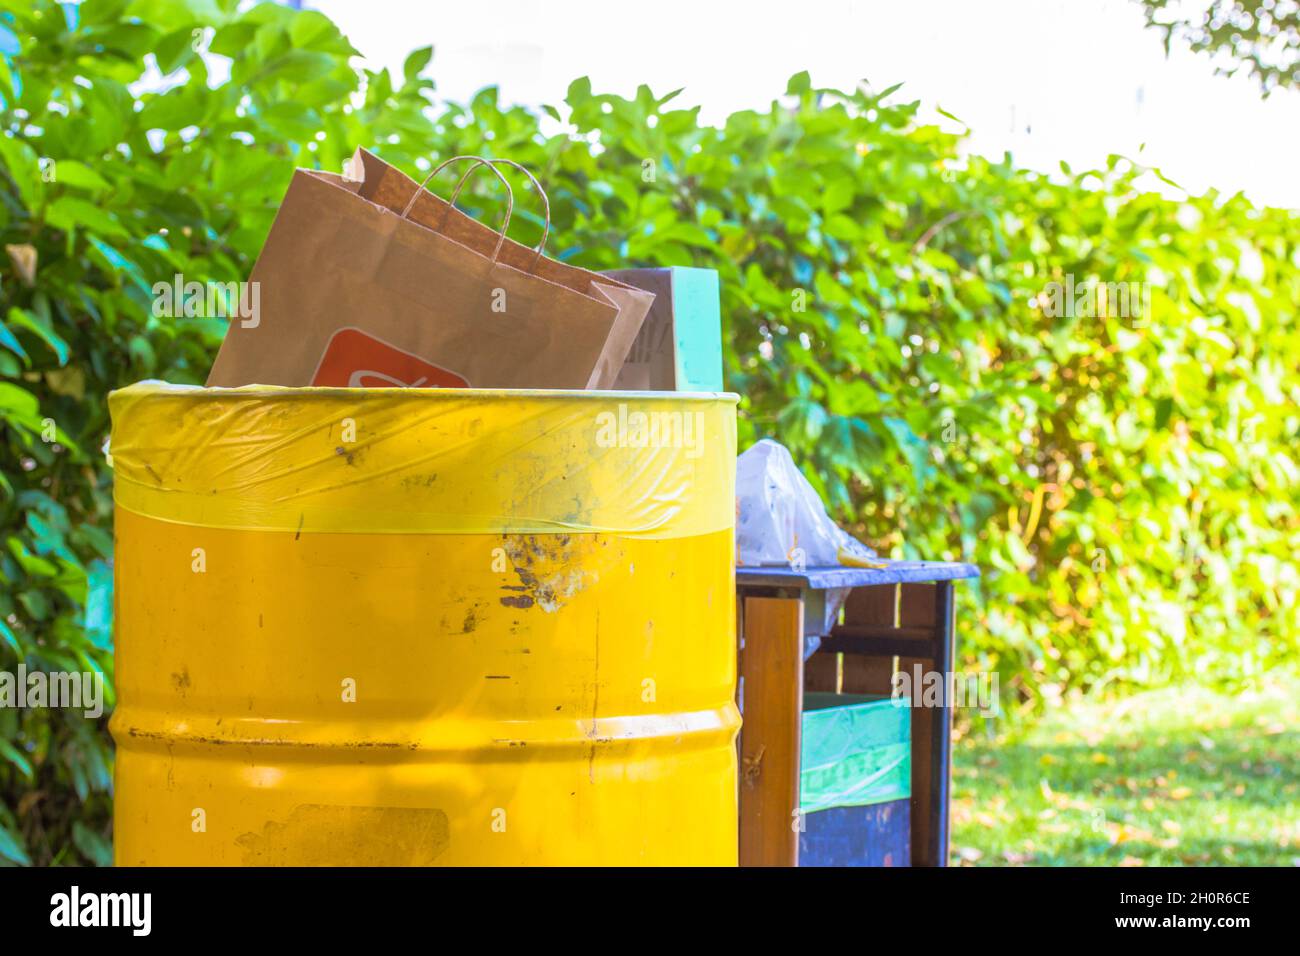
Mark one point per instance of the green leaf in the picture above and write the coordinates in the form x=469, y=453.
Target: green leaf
x=579, y=92
x=11, y=848
x=9, y=85
x=96, y=849
x=21, y=318
x=69, y=212
x=11, y=639
x=295, y=66
x=24, y=167
x=31, y=563
x=69, y=172
x=838, y=195
x=9, y=341
x=9, y=45
x=98, y=620
x=20, y=404
x=311, y=29
x=842, y=227
x=292, y=120
x=416, y=62
x=175, y=50
x=16, y=757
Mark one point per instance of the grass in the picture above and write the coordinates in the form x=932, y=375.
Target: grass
x=1180, y=776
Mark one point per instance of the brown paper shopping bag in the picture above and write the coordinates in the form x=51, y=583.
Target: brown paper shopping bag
x=368, y=280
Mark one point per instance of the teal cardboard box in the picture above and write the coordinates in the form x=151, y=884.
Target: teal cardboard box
x=679, y=347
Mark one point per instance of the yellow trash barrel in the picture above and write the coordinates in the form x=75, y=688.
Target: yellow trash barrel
x=413, y=627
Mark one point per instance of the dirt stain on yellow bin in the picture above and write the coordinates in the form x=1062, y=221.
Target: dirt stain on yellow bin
x=481, y=635
x=314, y=835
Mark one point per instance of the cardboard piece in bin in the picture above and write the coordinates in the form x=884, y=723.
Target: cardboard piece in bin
x=679, y=347
x=357, y=290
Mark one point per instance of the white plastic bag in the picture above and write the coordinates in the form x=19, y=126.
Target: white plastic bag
x=781, y=521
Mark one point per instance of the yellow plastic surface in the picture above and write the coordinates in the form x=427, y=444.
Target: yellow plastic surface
x=408, y=461
x=351, y=696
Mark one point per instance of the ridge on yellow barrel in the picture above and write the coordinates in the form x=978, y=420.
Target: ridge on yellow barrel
x=413, y=627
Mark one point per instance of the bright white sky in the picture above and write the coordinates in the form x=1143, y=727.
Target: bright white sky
x=1045, y=79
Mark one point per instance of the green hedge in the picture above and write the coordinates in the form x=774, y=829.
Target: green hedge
x=1126, y=483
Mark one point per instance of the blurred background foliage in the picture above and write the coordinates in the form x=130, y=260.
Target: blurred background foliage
x=1260, y=38
x=1127, y=483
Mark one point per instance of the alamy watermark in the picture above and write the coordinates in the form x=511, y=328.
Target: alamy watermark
x=208, y=300
x=652, y=429
x=133, y=911
x=58, y=689
x=1090, y=298
x=925, y=688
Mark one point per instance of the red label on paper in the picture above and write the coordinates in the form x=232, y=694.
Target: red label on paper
x=355, y=359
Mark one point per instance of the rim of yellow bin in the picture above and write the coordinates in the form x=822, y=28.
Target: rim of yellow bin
x=440, y=461
x=321, y=391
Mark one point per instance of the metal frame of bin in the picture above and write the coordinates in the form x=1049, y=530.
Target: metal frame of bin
x=894, y=617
